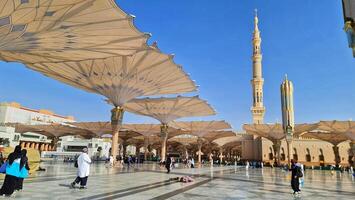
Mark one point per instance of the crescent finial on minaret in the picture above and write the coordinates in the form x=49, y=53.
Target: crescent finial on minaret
x=256, y=20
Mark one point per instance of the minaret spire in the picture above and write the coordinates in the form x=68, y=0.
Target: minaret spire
x=258, y=109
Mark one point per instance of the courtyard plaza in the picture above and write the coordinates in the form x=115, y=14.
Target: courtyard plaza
x=150, y=181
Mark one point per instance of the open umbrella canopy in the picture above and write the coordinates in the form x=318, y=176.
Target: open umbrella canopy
x=232, y=139
x=214, y=135
x=334, y=132
x=144, y=129
x=200, y=128
x=53, y=130
x=122, y=78
x=275, y=132
x=104, y=128
x=152, y=129
x=33, y=31
x=167, y=110
x=99, y=128
x=184, y=140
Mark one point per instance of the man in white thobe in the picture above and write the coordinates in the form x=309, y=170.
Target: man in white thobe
x=84, y=162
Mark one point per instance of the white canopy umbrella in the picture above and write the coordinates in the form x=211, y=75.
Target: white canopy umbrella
x=33, y=31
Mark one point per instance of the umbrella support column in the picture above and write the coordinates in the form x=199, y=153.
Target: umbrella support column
x=146, y=144
x=164, y=138
x=116, y=123
x=221, y=156
x=289, y=150
x=199, y=145
x=54, y=143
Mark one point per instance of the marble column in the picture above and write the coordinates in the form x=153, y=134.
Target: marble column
x=37, y=146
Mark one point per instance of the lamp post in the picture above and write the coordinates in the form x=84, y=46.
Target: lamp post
x=288, y=121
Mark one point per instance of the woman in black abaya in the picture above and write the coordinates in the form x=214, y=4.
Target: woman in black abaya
x=12, y=172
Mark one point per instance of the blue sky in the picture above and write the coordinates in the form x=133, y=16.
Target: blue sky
x=212, y=41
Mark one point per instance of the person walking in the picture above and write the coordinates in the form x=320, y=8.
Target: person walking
x=84, y=162
x=168, y=164
x=192, y=162
x=296, y=174
x=24, y=169
x=12, y=172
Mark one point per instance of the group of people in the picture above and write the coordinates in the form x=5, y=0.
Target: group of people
x=16, y=169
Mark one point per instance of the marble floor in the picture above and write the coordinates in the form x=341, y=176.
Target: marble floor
x=149, y=181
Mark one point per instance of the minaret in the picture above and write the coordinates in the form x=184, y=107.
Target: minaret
x=258, y=109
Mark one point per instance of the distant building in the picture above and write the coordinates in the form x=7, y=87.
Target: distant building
x=349, y=23
x=67, y=146
x=15, y=113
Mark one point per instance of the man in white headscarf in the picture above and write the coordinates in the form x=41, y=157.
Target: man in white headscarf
x=83, y=164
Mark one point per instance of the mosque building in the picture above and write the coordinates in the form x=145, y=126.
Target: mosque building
x=308, y=151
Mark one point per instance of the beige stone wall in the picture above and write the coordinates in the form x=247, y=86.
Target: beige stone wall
x=314, y=147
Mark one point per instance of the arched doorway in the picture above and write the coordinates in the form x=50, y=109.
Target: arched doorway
x=295, y=155
x=321, y=157
x=308, y=155
x=283, y=155
x=271, y=155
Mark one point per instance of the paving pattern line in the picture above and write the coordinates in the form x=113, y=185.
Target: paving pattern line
x=139, y=189
x=182, y=190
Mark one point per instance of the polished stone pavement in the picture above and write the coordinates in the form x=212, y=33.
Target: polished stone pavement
x=149, y=181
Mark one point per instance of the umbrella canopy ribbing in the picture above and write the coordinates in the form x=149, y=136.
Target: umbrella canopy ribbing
x=333, y=132
x=152, y=129
x=225, y=140
x=122, y=78
x=53, y=130
x=274, y=132
x=167, y=110
x=200, y=128
x=33, y=31
x=104, y=128
x=99, y=128
x=214, y=135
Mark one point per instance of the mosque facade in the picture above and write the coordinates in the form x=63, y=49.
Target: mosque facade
x=310, y=152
